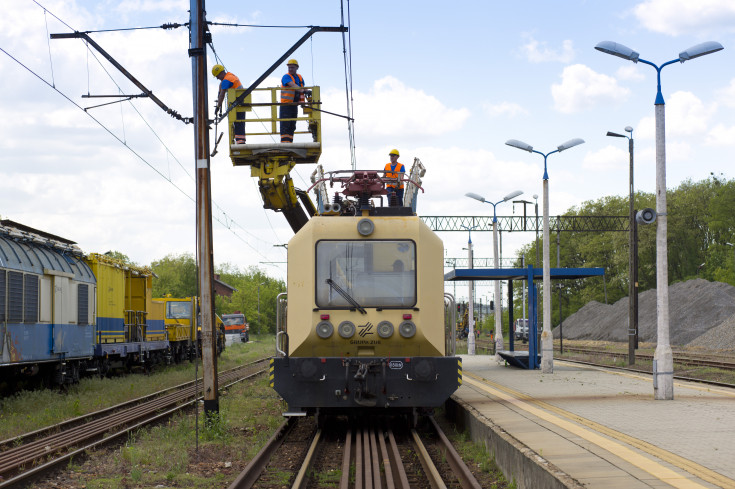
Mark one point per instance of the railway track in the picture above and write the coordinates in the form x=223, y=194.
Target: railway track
x=359, y=454
x=30, y=454
x=639, y=371
x=681, y=357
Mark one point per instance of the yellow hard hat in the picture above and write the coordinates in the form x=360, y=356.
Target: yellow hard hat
x=394, y=152
x=217, y=69
x=292, y=61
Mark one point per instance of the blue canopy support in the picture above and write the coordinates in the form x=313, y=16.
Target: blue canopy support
x=530, y=275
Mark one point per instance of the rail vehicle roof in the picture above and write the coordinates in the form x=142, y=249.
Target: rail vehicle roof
x=25, y=250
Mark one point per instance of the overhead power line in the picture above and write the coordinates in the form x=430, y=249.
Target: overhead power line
x=139, y=156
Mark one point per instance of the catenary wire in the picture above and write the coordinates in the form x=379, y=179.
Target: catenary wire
x=48, y=41
x=140, y=157
x=348, y=81
x=168, y=150
x=227, y=24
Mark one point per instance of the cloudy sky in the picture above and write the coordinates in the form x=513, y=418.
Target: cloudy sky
x=447, y=82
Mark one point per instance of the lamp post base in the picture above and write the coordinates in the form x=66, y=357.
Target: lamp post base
x=663, y=373
x=499, y=346
x=547, y=353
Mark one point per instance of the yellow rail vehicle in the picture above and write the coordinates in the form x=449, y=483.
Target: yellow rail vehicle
x=365, y=327
x=130, y=326
x=183, y=327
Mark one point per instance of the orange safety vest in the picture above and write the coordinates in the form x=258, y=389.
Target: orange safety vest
x=394, y=173
x=234, y=79
x=287, y=96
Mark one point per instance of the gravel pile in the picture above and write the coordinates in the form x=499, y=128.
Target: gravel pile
x=701, y=313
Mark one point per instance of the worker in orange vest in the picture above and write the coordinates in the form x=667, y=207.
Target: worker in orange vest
x=229, y=80
x=290, y=97
x=396, y=171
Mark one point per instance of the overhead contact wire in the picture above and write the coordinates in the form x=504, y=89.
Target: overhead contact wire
x=48, y=41
x=348, y=82
x=119, y=140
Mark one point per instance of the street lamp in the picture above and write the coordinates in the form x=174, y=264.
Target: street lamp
x=547, y=340
x=499, y=344
x=259, y=325
x=471, y=310
x=632, y=256
x=663, y=362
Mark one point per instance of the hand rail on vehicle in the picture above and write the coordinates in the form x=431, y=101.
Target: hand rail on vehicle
x=452, y=324
x=280, y=324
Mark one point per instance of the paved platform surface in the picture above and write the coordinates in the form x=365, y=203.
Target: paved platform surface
x=603, y=427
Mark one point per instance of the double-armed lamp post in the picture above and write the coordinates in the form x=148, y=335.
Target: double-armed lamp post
x=547, y=340
x=663, y=360
x=499, y=344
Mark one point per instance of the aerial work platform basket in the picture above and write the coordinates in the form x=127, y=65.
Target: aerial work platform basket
x=260, y=129
x=270, y=160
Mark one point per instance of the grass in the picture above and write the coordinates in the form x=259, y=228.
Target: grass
x=30, y=410
x=166, y=455
x=475, y=455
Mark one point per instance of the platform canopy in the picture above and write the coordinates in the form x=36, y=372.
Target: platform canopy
x=471, y=274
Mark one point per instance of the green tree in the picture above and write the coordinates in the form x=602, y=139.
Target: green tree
x=118, y=255
x=176, y=275
x=700, y=223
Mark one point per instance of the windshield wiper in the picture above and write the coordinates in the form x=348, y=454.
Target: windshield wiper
x=346, y=296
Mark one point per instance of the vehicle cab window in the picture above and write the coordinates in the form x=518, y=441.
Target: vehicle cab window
x=373, y=273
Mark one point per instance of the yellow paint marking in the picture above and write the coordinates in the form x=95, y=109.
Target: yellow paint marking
x=688, y=385
x=648, y=465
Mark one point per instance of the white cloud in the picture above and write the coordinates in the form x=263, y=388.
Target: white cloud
x=646, y=128
x=630, y=72
x=686, y=115
x=727, y=95
x=721, y=135
x=608, y=158
x=678, y=151
x=677, y=17
x=581, y=88
x=508, y=109
x=539, y=52
x=391, y=107
x=135, y=6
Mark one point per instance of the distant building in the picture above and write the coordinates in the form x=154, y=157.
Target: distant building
x=222, y=288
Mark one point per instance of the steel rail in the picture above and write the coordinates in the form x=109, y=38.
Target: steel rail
x=303, y=475
x=681, y=358
x=396, y=461
x=85, y=418
x=346, y=461
x=139, y=416
x=254, y=468
x=387, y=466
x=466, y=479
x=29, y=452
x=627, y=369
x=430, y=469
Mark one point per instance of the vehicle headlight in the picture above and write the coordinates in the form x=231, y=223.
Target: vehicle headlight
x=346, y=329
x=324, y=329
x=407, y=329
x=365, y=227
x=385, y=329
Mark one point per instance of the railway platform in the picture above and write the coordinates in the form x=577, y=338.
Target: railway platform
x=597, y=428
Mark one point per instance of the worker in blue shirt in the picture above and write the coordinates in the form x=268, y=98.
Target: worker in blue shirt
x=395, y=171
